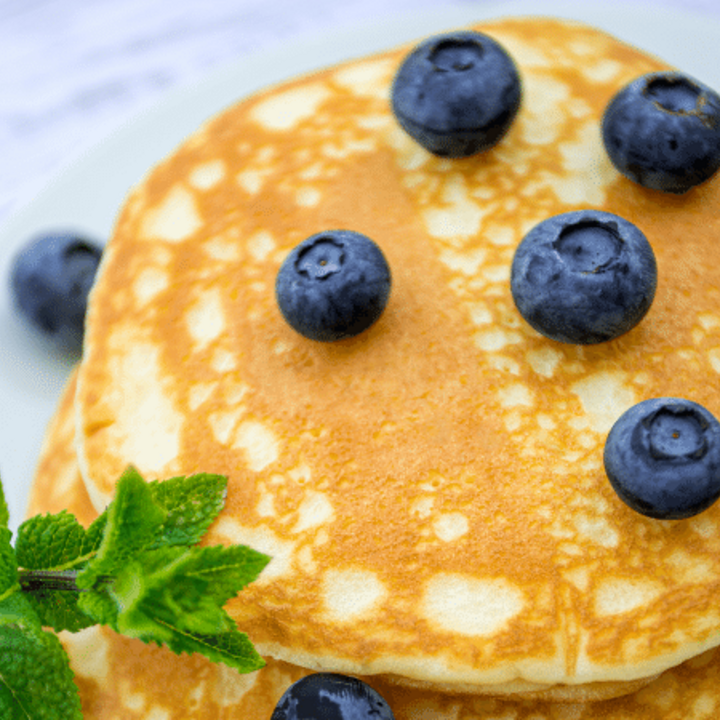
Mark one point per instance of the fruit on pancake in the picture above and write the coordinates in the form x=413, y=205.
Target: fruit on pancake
x=51, y=278
x=431, y=490
x=334, y=285
x=663, y=131
x=662, y=457
x=331, y=696
x=456, y=94
x=584, y=277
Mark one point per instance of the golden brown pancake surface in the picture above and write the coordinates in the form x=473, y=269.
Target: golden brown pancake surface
x=431, y=491
x=122, y=678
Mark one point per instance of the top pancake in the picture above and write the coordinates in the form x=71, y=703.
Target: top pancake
x=431, y=491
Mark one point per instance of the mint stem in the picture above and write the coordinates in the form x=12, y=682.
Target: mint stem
x=47, y=580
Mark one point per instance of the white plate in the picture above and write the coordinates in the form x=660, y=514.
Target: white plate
x=87, y=194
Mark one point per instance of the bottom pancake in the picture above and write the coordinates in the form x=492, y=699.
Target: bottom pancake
x=123, y=678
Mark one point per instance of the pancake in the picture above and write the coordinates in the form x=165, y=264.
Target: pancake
x=120, y=677
x=431, y=491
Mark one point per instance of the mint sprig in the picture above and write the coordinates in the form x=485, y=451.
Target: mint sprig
x=137, y=568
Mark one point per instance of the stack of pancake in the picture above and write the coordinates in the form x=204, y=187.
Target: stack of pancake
x=431, y=491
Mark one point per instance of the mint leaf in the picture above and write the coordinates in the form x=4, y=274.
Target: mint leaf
x=99, y=606
x=232, y=648
x=50, y=542
x=36, y=682
x=191, y=503
x=4, y=512
x=133, y=523
x=8, y=565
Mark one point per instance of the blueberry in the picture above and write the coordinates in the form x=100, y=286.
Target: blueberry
x=662, y=457
x=333, y=285
x=50, y=281
x=457, y=94
x=663, y=131
x=583, y=277
x=327, y=696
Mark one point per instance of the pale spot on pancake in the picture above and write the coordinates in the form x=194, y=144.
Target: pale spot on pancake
x=423, y=507
x=349, y=595
x=307, y=561
x=512, y=421
x=315, y=510
x=690, y=568
x=252, y=180
x=308, y=197
x=709, y=321
x=469, y=606
x=367, y=79
x=348, y=148
x=451, y=526
x=232, y=686
x=221, y=249
x=205, y=320
x=375, y=122
x=604, y=397
x=259, y=444
x=579, y=577
x=223, y=423
x=505, y=364
x=207, y=175
x=175, y=219
x=286, y=110
x=714, y=358
x=581, y=155
x=223, y=361
x=199, y=393
x=466, y=263
x=480, y=315
x=496, y=339
x=703, y=526
x=234, y=393
x=544, y=97
x=516, y=394
x=149, y=283
x=615, y=596
x=145, y=401
x=546, y=422
x=134, y=701
x=462, y=216
x=266, y=505
x=301, y=474
x=88, y=649
x=261, y=245
x=497, y=273
x=596, y=529
x=704, y=706
x=262, y=539
x=577, y=189
x=522, y=53
x=158, y=713
x=545, y=360
x=602, y=71
x=498, y=235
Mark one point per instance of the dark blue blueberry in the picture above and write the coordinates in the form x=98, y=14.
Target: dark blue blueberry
x=662, y=457
x=457, y=94
x=50, y=281
x=327, y=696
x=333, y=285
x=583, y=277
x=663, y=131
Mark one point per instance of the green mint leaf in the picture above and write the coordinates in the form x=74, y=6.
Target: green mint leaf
x=50, y=542
x=133, y=523
x=52, y=545
x=36, y=682
x=232, y=648
x=4, y=512
x=191, y=503
x=98, y=605
x=8, y=565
